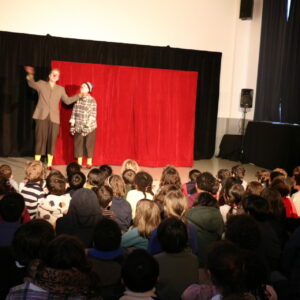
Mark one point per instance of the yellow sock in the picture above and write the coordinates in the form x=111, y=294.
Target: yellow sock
x=89, y=161
x=79, y=160
x=37, y=157
x=50, y=158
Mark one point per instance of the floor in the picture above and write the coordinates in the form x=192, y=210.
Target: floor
x=210, y=165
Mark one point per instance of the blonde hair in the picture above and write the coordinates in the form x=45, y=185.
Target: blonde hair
x=118, y=186
x=147, y=217
x=130, y=164
x=175, y=204
x=35, y=171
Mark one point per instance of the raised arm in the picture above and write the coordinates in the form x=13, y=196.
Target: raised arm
x=30, y=78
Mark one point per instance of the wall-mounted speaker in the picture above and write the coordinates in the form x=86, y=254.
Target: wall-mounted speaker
x=246, y=9
x=246, y=98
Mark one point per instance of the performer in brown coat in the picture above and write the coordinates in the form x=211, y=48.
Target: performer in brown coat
x=46, y=114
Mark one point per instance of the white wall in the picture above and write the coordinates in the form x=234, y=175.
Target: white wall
x=211, y=25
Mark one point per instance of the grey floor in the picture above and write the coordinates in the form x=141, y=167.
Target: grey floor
x=211, y=165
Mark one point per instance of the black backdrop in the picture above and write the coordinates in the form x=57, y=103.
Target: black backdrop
x=18, y=101
x=278, y=93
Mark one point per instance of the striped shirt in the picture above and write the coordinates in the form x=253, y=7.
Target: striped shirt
x=84, y=114
x=32, y=193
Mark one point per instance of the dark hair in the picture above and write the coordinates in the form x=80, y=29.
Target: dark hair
x=193, y=174
x=66, y=252
x=170, y=175
x=30, y=240
x=223, y=174
x=77, y=180
x=128, y=176
x=5, y=187
x=107, y=235
x=172, y=235
x=238, y=171
x=11, y=207
x=104, y=194
x=96, y=177
x=243, y=231
x=6, y=171
x=143, y=182
x=208, y=183
x=274, y=199
x=297, y=179
x=72, y=168
x=225, y=262
x=140, y=271
x=206, y=199
x=254, y=188
x=234, y=197
x=106, y=170
x=256, y=206
x=280, y=186
x=56, y=184
x=275, y=174
x=226, y=190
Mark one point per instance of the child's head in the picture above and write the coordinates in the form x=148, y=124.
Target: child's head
x=170, y=175
x=66, y=252
x=254, y=188
x=223, y=174
x=175, y=204
x=143, y=182
x=12, y=207
x=5, y=187
x=117, y=184
x=107, y=235
x=140, y=271
x=35, y=171
x=86, y=88
x=172, y=235
x=274, y=175
x=56, y=184
x=104, y=194
x=243, y=231
x=72, y=168
x=147, y=217
x=163, y=191
x=193, y=174
x=281, y=187
x=106, y=170
x=238, y=171
x=128, y=176
x=6, y=171
x=256, y=206
x=31, y=239
x=77, y=180
x=95, y=177
x=263, y=176
x=208, y=183
x=274, y=199
x=226, y=267
x=130, y=164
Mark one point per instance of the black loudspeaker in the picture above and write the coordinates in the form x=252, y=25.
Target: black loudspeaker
x=246, y=9
x=246, y=98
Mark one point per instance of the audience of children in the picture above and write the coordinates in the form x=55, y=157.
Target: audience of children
x=260, y=250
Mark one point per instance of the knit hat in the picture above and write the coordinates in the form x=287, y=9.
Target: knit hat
x=89, y=85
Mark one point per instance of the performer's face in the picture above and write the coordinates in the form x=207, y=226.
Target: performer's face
x=84, y=89
x=54, y=75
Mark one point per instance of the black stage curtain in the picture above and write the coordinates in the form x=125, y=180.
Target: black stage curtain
x=278, y=93
x=17, y=50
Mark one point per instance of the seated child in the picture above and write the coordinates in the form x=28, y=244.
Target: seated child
x=189, y=188
x=95, y=178
x=76, y=181
x=33, y=187
x=56, y=203
x=140, y=274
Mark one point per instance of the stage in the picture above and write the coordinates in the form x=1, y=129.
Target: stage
x=210, y=165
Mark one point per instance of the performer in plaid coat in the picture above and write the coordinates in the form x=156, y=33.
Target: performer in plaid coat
x=83, y=124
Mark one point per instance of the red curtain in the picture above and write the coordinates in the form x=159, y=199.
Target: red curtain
x=142, y=113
